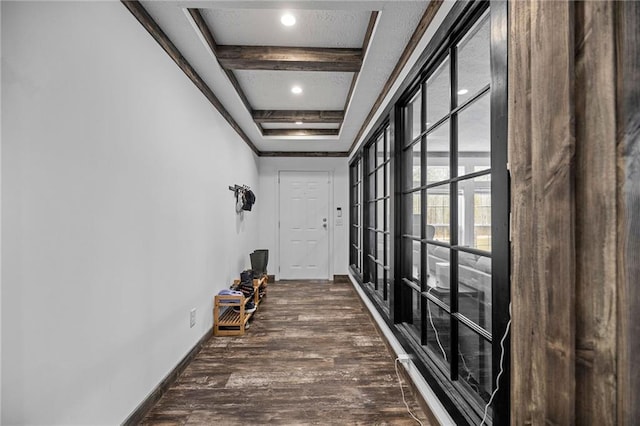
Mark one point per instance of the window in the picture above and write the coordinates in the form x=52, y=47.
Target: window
x=444, y=289
x=355, y=236
x=448, y=223
x=370, y=195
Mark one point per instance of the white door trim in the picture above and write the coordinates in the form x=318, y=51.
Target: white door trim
x=329, y=217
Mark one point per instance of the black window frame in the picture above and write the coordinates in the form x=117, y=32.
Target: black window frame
x=460, y=19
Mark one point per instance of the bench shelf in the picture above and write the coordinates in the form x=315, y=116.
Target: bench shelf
x=229, y=322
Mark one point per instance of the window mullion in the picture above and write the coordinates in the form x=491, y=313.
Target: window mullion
x=453, y=216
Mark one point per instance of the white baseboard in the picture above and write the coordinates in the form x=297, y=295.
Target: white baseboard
x=421, y=385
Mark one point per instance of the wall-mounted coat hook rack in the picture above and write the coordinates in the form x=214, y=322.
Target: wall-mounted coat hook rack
x=236, y=188
x=245, y=198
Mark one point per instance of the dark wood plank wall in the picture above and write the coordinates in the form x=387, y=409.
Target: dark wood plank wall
x=552, y=154
x=542, y=160
x=595, y=214
x=525, y=334
x=628, y=107
x=574, y=154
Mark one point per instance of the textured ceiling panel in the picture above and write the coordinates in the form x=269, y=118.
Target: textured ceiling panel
x=314, y=28
x=396, y=22
x=272, y=89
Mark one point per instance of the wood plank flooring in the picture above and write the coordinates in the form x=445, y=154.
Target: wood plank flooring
x=311, y=356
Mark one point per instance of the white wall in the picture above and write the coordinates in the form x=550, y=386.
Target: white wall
x=115, y=209
x=268, y=200
x=0, y=222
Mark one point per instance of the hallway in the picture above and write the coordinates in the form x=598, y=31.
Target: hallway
x=311, y=356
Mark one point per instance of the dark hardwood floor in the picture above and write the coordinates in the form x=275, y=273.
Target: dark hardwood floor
x=311, y=356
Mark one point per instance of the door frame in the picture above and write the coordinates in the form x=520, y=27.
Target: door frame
x=330, y=219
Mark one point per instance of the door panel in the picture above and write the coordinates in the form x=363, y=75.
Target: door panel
x=304, y=226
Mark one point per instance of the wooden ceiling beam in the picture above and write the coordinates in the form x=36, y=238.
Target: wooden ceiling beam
x=289, y=58
x=300, y=132
x=291, y=116
x=152, y=27
x=304, y=154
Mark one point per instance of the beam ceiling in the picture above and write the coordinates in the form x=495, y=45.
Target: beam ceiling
x=292, y=116
x=290, y=58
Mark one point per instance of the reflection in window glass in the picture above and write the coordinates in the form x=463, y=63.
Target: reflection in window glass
x=474, y=364
x=380, y=280
x=386, y=258
x=438, y=211
x=371, y=155
x=438, y=271
x=474, y=66
x=415, y=326
x=474, y=134
x=438, y=154
x=474, y=221
x=387, y=138
x=380, y=215
x=380, y=149
x=438, y=331
x=413, y=115
x=416, y=272
x=417, y=161
x=387, y=217
x=474, y=288
x=416, y=214
x=438, y=94
x=380, y=183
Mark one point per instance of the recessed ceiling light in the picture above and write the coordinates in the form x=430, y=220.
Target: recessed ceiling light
x=288, y=20
x=463, y=92
x=296, y=90
x=299, y=123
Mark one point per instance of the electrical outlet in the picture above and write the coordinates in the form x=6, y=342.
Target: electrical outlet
x=192, y=318
x=404, y=358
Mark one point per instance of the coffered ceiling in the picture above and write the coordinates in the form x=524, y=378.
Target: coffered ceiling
x=341, y=55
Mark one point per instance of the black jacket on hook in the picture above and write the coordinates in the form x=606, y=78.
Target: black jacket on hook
x=249, y=200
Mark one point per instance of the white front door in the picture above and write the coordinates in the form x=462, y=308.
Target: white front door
x=304, y=225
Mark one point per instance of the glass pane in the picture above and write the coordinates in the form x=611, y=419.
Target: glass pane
x=371, y=249
x=386, y=253
x=413, y=112
x=474, y=66
x=416, y=214
x=438, y=331
x=416, y=272
x=416, y=160
x=371, y=155
x=380, y=280
x=371, y=265
x=438, y=212
x=380, y=149
x=380, y=254
x=474, y=288
x=474, y=364
x=474, y=214
x=474, y=135
x=386, y=179
x=416, y=318
x=387, y=138
x=380, y=183
x=438, y=272
x=438, y=94
x=380, y=208
x=388, y=217
x=438, y=154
